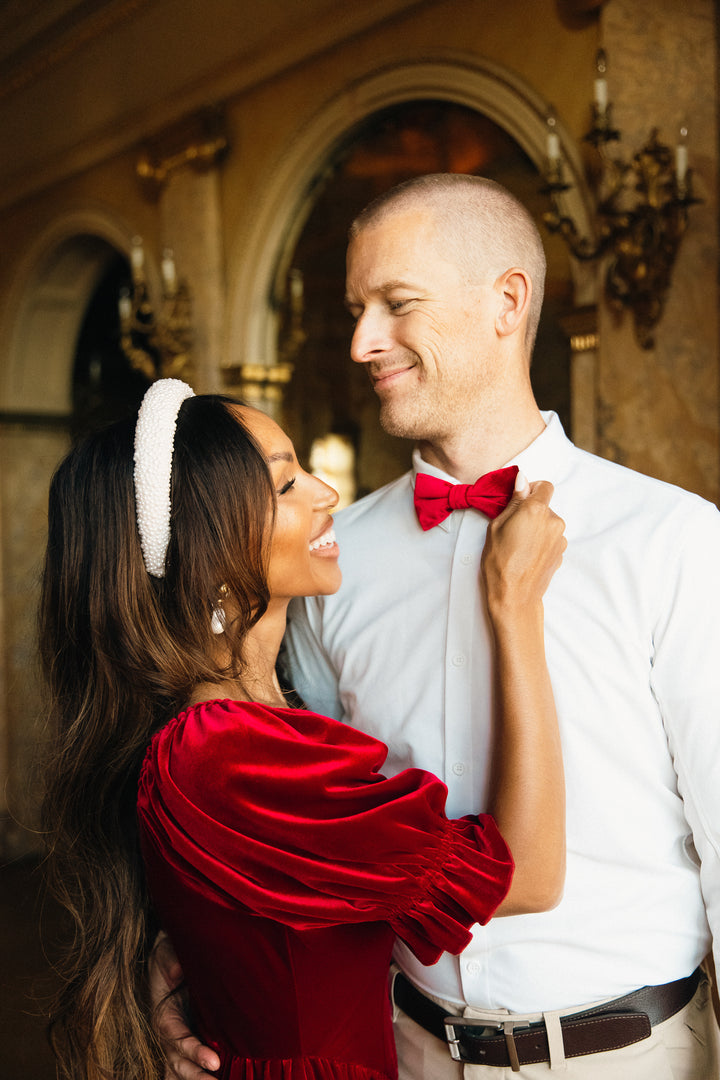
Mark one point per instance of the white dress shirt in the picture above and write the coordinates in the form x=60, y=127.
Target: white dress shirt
x=632, y=626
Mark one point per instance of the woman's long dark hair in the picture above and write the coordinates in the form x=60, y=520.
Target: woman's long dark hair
x=121, y=652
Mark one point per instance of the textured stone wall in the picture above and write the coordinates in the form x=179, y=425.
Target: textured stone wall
x=659, y=410
x=29, y=455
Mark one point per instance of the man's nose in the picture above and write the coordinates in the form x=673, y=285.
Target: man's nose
x=370, y=338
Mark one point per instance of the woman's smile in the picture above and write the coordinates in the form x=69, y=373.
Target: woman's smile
x=325, y=545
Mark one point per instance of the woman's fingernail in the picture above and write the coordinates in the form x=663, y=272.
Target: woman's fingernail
x=521, y=481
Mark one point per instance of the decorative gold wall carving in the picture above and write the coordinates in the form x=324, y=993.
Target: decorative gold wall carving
x=199, y=140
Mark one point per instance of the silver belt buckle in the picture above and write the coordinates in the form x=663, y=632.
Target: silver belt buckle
x=506, y=1026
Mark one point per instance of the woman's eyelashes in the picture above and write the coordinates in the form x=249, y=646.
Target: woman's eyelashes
x=286, y=487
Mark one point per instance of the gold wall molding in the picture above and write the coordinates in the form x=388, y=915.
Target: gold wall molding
x=56, y=51
x=584, y=342
x=257, y=59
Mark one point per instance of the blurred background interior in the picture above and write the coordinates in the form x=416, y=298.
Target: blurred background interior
x=176, y=182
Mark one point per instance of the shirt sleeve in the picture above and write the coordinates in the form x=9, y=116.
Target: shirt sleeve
x=285, y=812
x=686, y=683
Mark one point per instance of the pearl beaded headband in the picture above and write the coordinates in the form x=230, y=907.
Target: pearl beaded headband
x=154, y=441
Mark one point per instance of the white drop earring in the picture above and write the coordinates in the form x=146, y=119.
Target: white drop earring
x=219, y=618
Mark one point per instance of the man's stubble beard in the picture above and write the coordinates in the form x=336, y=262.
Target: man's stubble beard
x=410, y=421
x=431, y=418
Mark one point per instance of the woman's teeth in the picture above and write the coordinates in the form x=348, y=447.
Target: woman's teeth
x=324, y=540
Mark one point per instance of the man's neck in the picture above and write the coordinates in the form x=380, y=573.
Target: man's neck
x=466, y=455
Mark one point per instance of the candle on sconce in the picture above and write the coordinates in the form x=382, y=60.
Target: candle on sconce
x=601, y=94
x=297, y=290
x=169, y=272
x=681, y=156
x=124, y=307
x=553, y=140
x=137, y=258
x=296, y=284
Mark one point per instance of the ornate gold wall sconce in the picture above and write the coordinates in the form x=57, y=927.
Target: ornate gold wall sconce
x=159, y=344
x=198, y=140
x=640, y=216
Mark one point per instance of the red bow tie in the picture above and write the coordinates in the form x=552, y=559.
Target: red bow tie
x=435, y=499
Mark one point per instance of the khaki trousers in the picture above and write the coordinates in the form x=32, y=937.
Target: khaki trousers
x=684, y=1047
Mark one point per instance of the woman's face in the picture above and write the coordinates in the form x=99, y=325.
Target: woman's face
x=303, y=552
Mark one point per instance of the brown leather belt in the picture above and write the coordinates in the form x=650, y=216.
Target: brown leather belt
x=510, y=1044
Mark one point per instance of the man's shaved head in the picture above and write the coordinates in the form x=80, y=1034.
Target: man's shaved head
x=486, y=229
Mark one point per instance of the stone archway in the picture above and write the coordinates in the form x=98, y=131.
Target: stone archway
x=44, y=311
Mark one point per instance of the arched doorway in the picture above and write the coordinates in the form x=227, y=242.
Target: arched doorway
x=330, y=395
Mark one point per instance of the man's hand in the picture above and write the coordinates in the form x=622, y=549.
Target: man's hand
x=185, y=1056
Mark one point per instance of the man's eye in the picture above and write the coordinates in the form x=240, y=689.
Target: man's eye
x=396, y=305
x=286, y=487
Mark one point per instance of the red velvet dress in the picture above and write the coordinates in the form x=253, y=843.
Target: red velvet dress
x=282, y=864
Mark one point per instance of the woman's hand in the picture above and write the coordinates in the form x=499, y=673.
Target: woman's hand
x=524, y=548
x=185, y=1056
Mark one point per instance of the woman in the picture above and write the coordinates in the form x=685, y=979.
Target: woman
x=278, y=858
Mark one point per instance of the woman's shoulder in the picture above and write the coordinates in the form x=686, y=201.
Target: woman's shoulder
x=212, y=737
x=219, y=717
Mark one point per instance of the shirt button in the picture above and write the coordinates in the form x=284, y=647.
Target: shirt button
x=473, y=968
x=466, y=560
x=459, y=660
x=458, y=768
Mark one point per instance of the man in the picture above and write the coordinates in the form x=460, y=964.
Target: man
x=445, y=278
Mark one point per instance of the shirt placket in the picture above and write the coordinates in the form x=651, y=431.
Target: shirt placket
x=458, y=664
x=467, y=675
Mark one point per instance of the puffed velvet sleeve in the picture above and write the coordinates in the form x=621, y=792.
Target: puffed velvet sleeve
x=285, y=812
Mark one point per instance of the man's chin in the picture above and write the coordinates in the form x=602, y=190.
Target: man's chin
x=399, y=423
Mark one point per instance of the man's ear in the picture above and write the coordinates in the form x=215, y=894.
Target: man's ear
x=514, y=289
